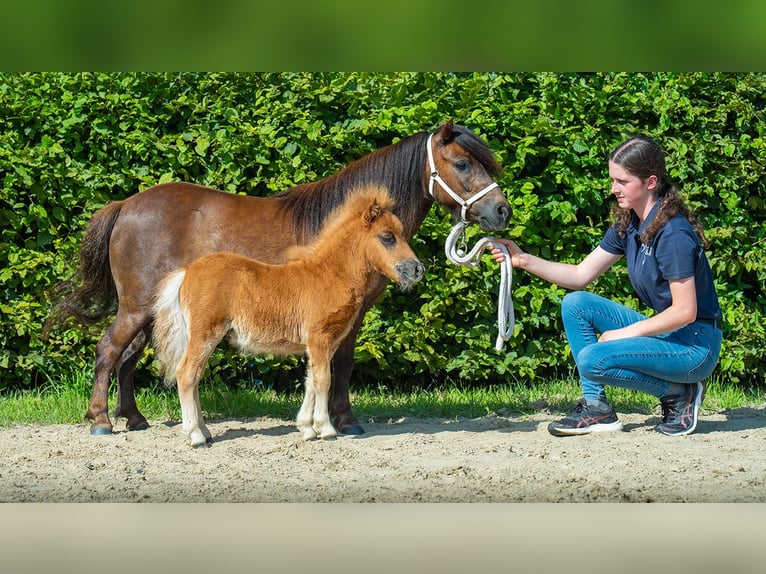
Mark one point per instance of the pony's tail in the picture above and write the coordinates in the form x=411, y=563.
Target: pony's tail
x=171, y=333
x=96, y=297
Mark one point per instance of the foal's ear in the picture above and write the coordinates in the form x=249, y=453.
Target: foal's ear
x=372, y=212
x=445, y=132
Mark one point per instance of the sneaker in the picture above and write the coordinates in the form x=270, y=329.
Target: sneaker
x=585, y=419
x=679, y=412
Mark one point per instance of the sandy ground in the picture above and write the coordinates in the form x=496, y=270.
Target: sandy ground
x=489, y=459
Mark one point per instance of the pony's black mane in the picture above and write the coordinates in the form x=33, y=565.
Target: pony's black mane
x=399, y=167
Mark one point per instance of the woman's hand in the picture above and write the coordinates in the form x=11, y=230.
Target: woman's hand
x=613, y=335
x=513, y=249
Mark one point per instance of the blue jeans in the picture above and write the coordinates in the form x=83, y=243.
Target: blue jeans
x=647, y=364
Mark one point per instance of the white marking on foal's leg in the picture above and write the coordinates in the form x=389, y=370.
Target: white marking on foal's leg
x=187, y=378
x=304, y=421
x=322, y=422
x=321, y=385
x=200, y=421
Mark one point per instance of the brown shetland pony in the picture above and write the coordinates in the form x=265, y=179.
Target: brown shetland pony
x=306, y=305
x=129, y=245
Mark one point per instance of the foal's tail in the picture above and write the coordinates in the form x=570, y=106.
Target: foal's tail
x=96, y=296
x=171, y=333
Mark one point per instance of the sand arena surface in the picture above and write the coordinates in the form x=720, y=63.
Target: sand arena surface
x=488, y=459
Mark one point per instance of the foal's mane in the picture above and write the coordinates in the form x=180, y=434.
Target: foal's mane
x=346, y=219
x=398, y=166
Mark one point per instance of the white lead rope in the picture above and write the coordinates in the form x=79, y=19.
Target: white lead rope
x=505, y=315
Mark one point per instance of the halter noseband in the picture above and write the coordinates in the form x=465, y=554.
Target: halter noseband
x=435, y=177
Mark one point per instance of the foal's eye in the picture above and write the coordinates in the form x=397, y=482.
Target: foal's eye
x=462, y=165
x=387, y=238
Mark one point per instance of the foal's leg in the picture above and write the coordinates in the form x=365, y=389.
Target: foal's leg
x=189, y=372
x=202, y=425
x=305, y=419
x=126, y=399
x=320, y=369
x=108, y=352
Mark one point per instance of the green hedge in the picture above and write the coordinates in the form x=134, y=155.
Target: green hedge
x=69, y=143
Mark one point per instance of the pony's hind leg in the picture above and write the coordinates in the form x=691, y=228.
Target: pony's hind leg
x=108, y=352
x=126, y=399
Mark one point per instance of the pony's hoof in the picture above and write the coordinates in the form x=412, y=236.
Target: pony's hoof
x=99, y=429
x=353, y=429
x=142, y=424
x=207, y=444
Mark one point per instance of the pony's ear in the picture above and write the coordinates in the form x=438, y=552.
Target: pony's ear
x=445, y=132
x=372, y=212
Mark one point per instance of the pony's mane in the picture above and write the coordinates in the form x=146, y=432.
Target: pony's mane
x=345, y=217
x=398, y=166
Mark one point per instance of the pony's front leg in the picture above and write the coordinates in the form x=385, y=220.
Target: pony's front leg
x=305, y=419
x=187, y=377
x=321, y=384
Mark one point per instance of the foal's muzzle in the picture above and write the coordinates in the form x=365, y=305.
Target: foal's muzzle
x=409, y=272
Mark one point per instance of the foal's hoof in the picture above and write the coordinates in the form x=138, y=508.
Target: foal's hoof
x=308, y=434
x=353, y=429
x=98, y=429
x=207, y=444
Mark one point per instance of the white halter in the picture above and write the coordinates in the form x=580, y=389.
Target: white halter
x=505, y=315
x=435, y=177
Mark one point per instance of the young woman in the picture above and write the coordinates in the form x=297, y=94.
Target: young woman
x=667, y=354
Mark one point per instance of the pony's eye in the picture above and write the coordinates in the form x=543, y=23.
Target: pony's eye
x=387, y=238
x=462, y=165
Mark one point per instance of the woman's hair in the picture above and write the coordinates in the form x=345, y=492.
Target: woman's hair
x=642, y=157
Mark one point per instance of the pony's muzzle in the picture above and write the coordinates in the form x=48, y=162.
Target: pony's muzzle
x=494, y=217
x=409, y=272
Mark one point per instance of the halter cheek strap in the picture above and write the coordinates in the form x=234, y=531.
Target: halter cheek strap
x=436, y=178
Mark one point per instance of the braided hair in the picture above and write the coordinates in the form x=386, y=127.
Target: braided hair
x=643, y=157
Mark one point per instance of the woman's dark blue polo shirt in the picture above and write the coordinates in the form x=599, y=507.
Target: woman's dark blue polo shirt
x=675, y=253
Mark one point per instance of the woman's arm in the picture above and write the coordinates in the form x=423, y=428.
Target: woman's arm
x=567, y=275
x=682, y=311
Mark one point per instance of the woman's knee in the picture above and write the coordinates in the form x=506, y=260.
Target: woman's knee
x=589, y=362
x=574, y=301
